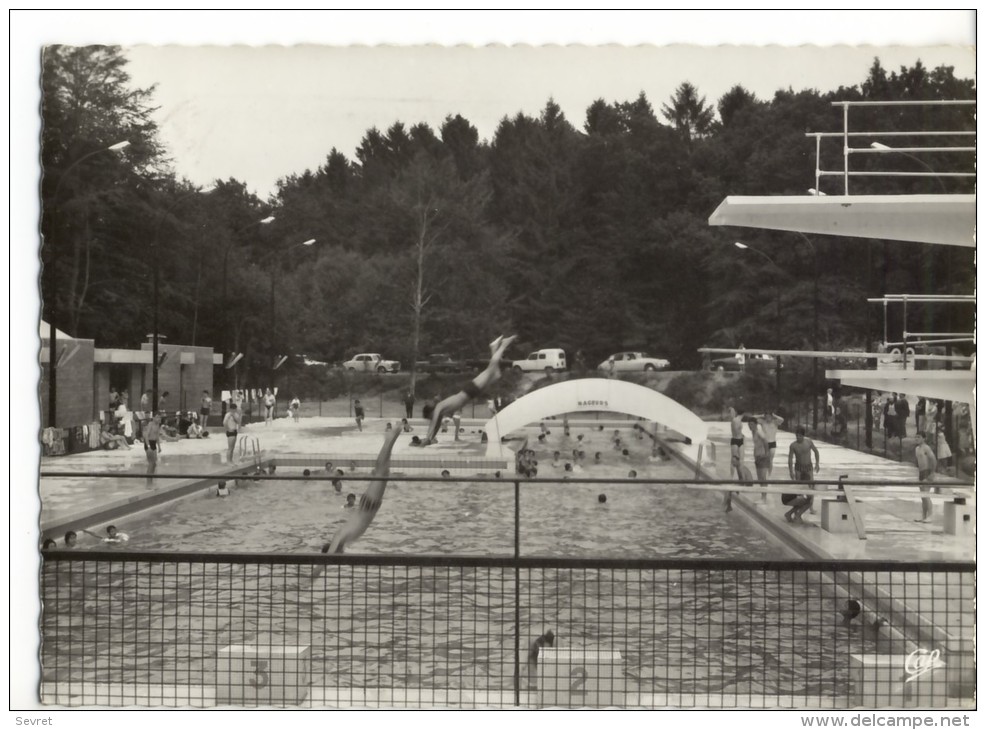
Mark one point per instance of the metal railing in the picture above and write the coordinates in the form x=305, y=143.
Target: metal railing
x=881, y=149
x=187, y=629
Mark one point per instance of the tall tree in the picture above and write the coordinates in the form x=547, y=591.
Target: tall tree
x=88, y=194
x=688, y=112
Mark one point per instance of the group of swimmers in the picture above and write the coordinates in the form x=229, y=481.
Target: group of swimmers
x=112, y=537
x=763, y=432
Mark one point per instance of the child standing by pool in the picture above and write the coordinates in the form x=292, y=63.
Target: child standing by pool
x=358, y=410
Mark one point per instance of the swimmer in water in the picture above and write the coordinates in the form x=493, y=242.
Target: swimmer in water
x=472, y=389
x=369, y=503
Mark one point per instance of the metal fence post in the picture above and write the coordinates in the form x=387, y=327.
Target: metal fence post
x=517, y=591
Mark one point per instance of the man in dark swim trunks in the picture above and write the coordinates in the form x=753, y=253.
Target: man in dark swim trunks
x=736, y=421
x=799, y=463
x=471, y=390
x=152, y=445
x=799, y=504
x=769, y=424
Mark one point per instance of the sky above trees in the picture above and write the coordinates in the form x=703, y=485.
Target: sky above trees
x=262, y=113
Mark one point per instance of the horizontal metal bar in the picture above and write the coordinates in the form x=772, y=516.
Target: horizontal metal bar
x=954, y=298
x=508, y=561
x=930, y=102
x=938, y=334
x=508, y=482
x=931, y=342
x=860, y=173
x=873, y=151
x=824, y=354
x=964, y=133
x=842, y=173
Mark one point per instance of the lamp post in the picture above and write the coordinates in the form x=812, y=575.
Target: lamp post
x=273, y=289
x=744, y=247
x=229, y=247
x=880, y=147
x=814, y=332
x=155, y=302
x=53, y=282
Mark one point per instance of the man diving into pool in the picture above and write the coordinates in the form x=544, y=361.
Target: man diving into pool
x=369, y=503
x=472, y=389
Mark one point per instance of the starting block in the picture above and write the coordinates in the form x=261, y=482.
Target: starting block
x=262, y=675
x=895, y=680
x=958, y=518
x=836, y=517
x=581, y=678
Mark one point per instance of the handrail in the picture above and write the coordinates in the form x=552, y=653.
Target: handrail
x=848, y=150
x=781, y=485
x=506, y=561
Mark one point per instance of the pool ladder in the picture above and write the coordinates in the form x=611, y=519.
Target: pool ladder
x=250, y=447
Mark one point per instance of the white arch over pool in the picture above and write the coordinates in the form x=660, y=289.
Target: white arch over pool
x=590, y=395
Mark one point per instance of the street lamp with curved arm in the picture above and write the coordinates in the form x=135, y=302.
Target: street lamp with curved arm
x=155, y=304
x=273, y=287
x=814, y=331
x=229, y=247
x=744, y=247
x=880, y=147
x=50, y=264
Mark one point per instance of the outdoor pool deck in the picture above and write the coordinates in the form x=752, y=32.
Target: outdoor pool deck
x=891, y=531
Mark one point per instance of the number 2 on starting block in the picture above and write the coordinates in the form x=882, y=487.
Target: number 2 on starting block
x=581, y=678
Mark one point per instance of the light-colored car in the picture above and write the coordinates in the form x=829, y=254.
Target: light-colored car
x=369, y=362
x=548, y=359
x=746, y=362
x=623, y=362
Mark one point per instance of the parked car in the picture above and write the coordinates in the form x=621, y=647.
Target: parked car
x=441, y=363
x=734, y=363
x=549, y=359
x=624, y=362
x=372, y=362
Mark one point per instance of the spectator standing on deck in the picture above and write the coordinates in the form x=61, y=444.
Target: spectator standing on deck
x=761, y=454
x=152, y=445
x=903, y=411
x=359, y=413
x=270, y=400
x=799, y=462
x=927, y=463
x=409, y=404
x=231, y=423
x=296, y=409
x=890, y=416
x=769, y=424
x=942, y=450
x=205, y=408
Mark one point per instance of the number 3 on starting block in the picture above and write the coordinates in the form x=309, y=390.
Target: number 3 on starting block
x=581, y=678
x=262, y=675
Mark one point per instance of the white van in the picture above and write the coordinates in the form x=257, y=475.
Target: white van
x=546, y=360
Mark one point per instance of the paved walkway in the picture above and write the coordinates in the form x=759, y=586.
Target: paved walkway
x=891, y=532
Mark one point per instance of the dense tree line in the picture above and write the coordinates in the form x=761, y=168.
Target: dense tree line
x=589, y=234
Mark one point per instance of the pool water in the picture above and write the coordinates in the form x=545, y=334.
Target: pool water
x=561, y=518
x=679, y=631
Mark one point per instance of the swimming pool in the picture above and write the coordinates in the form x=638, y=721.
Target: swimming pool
x=679, y=630
x=557, y=518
